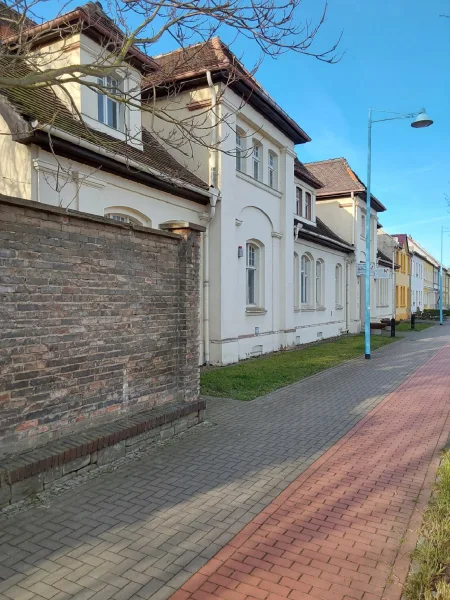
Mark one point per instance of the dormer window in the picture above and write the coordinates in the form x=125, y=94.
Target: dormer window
x=308, y=206
x=108, y=108
x=299, y=202
x=303, y=204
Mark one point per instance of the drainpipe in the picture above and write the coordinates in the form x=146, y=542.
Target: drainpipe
x=347, y=293
x=394, y=297
x=214, y=169
x=212, y=211
x=354, y=218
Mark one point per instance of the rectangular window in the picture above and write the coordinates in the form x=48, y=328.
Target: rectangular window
x=273, y=168
x=239, y=152
x=308, y=206
x=304, y=280
x=299, y=202
x=108, y=108
x=256, y=163
x=252, y=274
x=363, y=226
x=397, y=296
x=338, y=285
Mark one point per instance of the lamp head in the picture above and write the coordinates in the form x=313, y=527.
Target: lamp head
x=422, y=120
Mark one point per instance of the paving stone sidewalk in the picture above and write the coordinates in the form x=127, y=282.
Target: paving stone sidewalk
x=143, y=530
x=336, y=532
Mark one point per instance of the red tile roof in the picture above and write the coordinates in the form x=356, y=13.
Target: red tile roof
x=339, y=178
x=213, y=55
x=43, y=105
x=89, y=18
x=305, y=174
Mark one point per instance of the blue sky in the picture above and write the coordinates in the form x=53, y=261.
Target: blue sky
x=396, y=58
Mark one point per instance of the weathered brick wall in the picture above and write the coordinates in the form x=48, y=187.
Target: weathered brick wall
x=97, y=319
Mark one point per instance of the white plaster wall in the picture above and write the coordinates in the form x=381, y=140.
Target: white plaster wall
x=15, y=165
x=417, y=283
x=251, y=210
x=338, y=215
x=312, y=324
x=94, y=191
x=195, y=156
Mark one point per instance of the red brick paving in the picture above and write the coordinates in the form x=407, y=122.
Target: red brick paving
x=335, y=532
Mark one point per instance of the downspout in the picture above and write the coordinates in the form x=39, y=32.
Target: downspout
x=394, y=295
x=212, y=211
x=347, y=293
x=354, y=219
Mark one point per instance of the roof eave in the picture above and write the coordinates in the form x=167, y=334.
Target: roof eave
x=54, y=26
x=69, y=150
x=375, y=203
x=251, y=93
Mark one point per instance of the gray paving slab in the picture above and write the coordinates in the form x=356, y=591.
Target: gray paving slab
x=141, y=530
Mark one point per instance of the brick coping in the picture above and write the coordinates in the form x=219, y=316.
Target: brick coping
x=20, y=467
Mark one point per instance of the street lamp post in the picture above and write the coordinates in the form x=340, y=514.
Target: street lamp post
x=421, y=119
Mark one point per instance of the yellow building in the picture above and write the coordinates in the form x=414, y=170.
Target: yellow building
x=446, y=288
x=430, y=284
x=403, y=278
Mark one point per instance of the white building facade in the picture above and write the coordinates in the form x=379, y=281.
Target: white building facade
x=274, y=275
x=342, y=206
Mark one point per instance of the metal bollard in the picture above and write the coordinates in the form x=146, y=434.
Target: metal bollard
x=413, y=321
x=392, y=327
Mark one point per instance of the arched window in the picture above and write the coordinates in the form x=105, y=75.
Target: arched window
x=296, y=281
x=254, y=274
x=320, y=282
x=306, y=279
x=273, y=170
x=338, y=285
x=124, y=214
x=240, y=150
x=256, y=161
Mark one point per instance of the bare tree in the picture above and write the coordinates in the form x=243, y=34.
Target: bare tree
x=34, y=56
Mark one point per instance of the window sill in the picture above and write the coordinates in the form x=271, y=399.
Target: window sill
x=305, y=220
x=297, y=310
x=307, y=308
x=339, y=307
x=259, y=184
x=255, y=310
x=319, y=307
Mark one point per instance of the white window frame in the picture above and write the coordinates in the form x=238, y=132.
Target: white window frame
x=338, y=285
x=308, y=205
x=299, y=201
x=256, y=161
x=123, y=218
x=272, y=165
x=306, y=291
x=240, y=150
x=125, y=214
x=254, y=262
x=108, y=110
x=320, y=283
x=296, y=281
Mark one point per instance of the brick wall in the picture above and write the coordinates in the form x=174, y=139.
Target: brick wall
x=97, y=319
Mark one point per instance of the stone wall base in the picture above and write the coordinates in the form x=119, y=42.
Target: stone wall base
x=33, y=472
